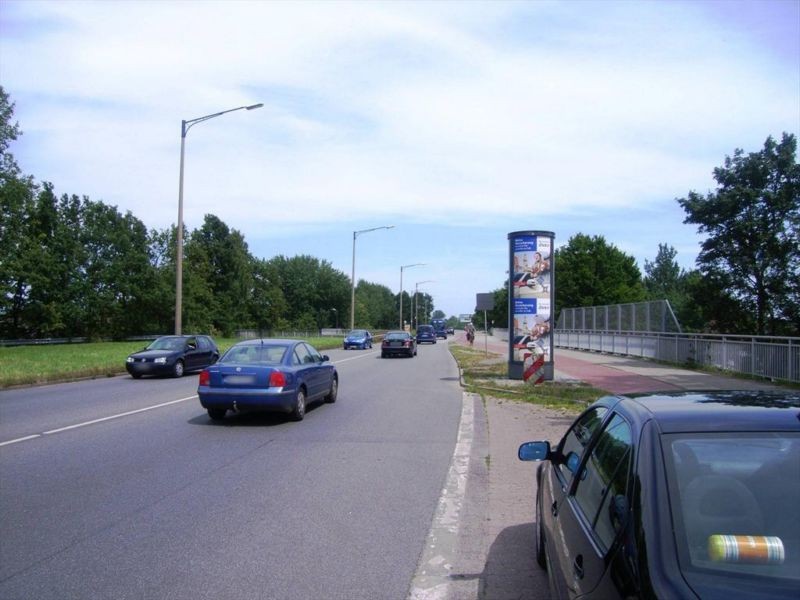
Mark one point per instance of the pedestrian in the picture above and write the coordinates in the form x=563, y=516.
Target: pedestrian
x=470, y=333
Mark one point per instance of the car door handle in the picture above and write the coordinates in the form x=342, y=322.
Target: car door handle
x=554, y=509
x=577, y=566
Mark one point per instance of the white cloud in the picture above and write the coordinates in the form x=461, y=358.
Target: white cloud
x=495, y=114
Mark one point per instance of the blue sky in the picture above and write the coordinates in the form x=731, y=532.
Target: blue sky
x=456, y=122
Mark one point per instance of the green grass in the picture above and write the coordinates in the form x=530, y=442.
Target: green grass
x=26, y=365
x=487, y=375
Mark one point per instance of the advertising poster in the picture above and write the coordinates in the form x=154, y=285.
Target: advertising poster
x=530, y=298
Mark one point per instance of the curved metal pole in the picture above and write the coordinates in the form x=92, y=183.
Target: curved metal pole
x=185, y=126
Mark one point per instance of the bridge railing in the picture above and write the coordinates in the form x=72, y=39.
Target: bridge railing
x=757, y=356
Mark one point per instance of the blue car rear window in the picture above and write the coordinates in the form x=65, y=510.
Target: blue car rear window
x=270, y=355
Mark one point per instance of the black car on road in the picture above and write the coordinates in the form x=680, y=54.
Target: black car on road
x=173, y=355
x=693, y=495
x=398, y=343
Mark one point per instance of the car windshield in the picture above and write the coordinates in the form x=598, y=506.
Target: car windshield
x=397, y=336
x=167, y=343
x=255, y=354
x=425, y=329
x=358, y=333
x=734, y=502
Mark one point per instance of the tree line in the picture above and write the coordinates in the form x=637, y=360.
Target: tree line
x=75, y=267
x=747, y=278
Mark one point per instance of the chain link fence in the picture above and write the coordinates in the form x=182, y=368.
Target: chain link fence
x=652, y=316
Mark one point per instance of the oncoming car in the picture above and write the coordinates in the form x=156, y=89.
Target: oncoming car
x=173, y=355
x=358, y=338
x=673, y=496
x=268, y=375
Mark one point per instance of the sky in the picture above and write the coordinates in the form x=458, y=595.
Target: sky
x=456, y=123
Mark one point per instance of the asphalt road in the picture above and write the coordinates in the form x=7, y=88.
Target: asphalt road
x=115, y=488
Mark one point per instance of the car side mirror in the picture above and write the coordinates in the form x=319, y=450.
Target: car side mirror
x=325, y=358
x=534, y=451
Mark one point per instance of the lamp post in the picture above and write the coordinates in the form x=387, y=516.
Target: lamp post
x=353, y=275
x=416, y=300
x=401, y=288
x=185, y=126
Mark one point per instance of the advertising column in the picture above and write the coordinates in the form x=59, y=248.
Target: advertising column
x=530, y=301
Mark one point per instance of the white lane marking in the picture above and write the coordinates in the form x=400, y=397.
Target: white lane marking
x=336, y=362
x=432, y=579
x=22, y=439
x=94, y=421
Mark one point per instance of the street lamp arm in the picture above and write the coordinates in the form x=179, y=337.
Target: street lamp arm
x=357, y=233
x=185, y=125
x=188, y=123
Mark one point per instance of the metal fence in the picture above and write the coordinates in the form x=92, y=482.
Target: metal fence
x=655, y=315
x=758, y=356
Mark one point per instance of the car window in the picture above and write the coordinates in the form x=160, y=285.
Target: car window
x=273, y=354
x=601, y=491
x=577, y=438
x=170, y=343
x=241, y=354
x=312, y=352
x=191, y=343
x=734, y=499
x=302, y=355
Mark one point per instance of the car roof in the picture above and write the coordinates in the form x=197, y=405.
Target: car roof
x=714, y=411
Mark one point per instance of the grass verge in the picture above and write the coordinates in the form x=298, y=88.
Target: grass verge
x=30, y=365
x=487, y=375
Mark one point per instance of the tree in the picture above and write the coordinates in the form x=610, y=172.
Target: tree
x=752, y=221
x=592, y=272
x=8, y=132
x=222, y=256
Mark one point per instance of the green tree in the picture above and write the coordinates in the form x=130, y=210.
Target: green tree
x=9, y=132
x=375, y=306
x=222, y=278
x=752, y=221
x=311, y=288
x=710, y=306
x=268, y=305
x=592, y=272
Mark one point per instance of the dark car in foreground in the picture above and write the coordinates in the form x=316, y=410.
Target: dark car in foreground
x=358, y=338
x=693, y=495
x=398, y=343
x=426, y=334
x=270, y=375
x=173, y=355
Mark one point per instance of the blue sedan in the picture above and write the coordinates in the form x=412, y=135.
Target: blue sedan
x=358, y=338
x=268, y=375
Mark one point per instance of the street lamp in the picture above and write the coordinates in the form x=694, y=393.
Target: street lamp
x=416, y=300
x=185, y=126
x=353, y=275
x=401, y=288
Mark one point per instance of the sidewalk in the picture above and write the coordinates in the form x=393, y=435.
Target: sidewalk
x=623, y=374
